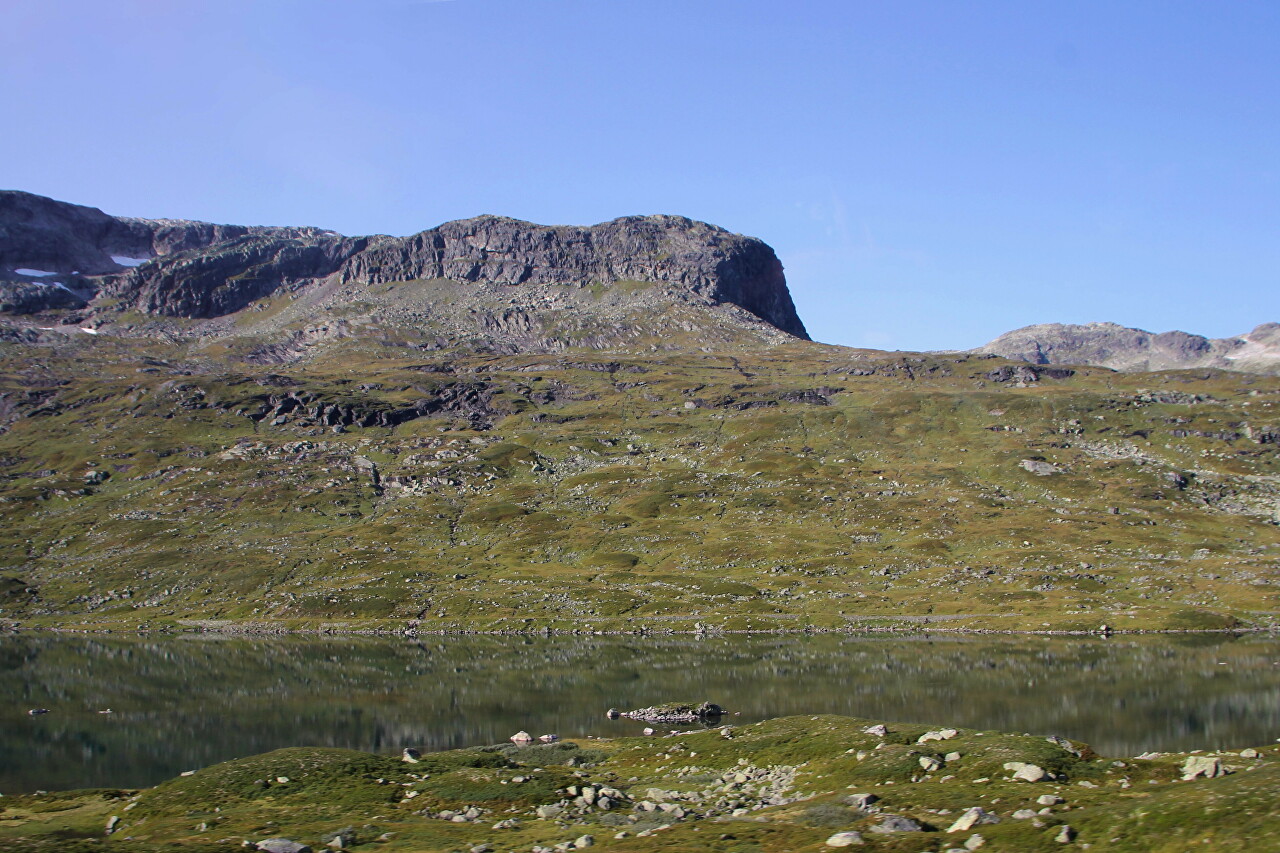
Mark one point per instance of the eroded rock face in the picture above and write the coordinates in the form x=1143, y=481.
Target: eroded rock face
x=199, y=270
x=70, y=239
x=1123, y=348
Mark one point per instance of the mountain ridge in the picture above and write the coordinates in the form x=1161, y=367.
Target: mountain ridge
x=1134, y=350
x=104, y=265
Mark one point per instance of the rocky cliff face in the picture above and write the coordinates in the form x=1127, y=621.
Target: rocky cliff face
x=1122, y=348
x=199, y=270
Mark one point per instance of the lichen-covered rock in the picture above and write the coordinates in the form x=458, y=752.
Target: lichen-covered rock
x=976, y=816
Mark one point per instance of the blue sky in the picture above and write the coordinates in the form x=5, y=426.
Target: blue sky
x=930, y=173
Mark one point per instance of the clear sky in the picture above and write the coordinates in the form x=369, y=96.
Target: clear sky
x=930, y=173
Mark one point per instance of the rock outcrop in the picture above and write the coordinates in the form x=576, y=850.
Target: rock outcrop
x=197, y=270
x=1126, y=349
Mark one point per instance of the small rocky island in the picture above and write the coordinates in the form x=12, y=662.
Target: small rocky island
x=806, y=783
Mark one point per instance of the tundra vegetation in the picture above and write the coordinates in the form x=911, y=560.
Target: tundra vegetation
x=787, y=486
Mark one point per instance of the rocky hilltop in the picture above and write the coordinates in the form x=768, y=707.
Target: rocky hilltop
x=56, y=256
x=1132, y=350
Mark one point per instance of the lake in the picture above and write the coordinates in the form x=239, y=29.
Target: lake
x=186, y=701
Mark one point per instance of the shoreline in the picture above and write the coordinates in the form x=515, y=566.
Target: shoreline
x=254, y=629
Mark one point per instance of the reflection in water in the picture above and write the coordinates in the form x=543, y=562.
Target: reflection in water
x=184, y=702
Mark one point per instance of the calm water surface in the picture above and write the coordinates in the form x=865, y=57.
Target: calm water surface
x=188, y=701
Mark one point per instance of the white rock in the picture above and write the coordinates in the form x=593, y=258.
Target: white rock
x=861, y=801
x=1202, y=765
x=521, y=738
x=929, y=763
x=1026, y=772
x=1049, y=799
x=941, y=734
x=879, y=730
x=1065, y=835
x=976, y=816
x=845, y=839
x=1024, y=814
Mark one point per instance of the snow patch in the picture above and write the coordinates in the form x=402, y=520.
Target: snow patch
x=25, y=271
x=126, y=261
x=88, y=331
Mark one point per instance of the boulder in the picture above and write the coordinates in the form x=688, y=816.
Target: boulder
x=1026, y=772
x=342, y=839
x=1039, y=467
x=845, y=839
x=282, y=845
x=941, y=734
x=897, y=823
x=1202, y=765
x=861, y=801
x=976, y=816
x=521, y=738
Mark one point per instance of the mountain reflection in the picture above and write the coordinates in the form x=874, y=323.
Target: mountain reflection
x=188, y=701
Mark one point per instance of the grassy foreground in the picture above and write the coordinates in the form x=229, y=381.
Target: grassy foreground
x=789, y=784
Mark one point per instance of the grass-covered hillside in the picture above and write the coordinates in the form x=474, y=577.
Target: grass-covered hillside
x=377, y=481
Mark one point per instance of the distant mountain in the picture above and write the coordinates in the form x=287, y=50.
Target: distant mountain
x=1134, y=350
x=508, y=282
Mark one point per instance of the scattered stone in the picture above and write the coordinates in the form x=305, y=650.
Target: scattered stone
x=583, y=841
x=953, y=756
x=282, y=845
x=676, y=713
x=1039, y=467
x=548, y=738
x=521, y=738
x=928, y=763
x=1063, y=743
x=1065, y=835
x=1024, y=814
x=343, y=839
x=845, y=839
x=1202, y=765
x=112, y=823
x=410, y=755
x=1049, y=800
x=861, y=801
x=613, y=713
x=481, y=848
x=941, y=734
x=1249, y=753
x=879, y=730
x=549, y=811
x=897, y=823
x=976, y=816
x=974, y=842
x=509, y=823
x=1026, y=772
